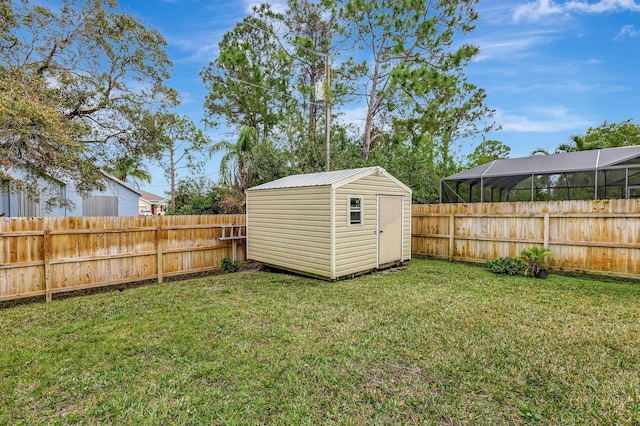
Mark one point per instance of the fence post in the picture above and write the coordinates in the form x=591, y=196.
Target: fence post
x=47, y=263
x=234, y=244
x=160, y=249
x=452, y=230
x=545, y=230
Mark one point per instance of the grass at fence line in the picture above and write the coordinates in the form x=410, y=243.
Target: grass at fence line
x=435, y=343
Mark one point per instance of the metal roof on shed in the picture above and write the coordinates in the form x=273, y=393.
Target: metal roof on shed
x=598, y=159
x=317, y=179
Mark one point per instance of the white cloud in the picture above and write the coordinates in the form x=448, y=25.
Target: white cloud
x=544, y=8
x=200, y=48
x=353, y=116
x=627, y=31
x=603, y=6
x=536, y=10
x=541, y=119
x=186, y=97
x=516, y=44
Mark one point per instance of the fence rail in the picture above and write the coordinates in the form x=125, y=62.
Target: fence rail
x=601, y=236
x=43, y=256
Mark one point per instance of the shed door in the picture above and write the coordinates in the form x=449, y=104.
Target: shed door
x=389, y=228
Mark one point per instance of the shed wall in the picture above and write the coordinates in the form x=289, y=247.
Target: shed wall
x=357, y=246
x=291, y=228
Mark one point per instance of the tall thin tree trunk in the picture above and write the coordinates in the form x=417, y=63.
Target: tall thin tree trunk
x=368, y=128
x=373, y=105
x=173, y=182
x=312, y=105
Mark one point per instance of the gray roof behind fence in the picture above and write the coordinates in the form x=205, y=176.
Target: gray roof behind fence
x=599, y=159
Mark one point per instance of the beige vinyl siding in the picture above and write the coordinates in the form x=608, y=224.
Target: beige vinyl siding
x=357, y=246
x=406, y=231
x=291, y=228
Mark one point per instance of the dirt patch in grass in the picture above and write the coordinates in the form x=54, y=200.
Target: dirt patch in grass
x=397, y=380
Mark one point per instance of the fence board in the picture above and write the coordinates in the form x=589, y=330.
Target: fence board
x=41, y=256
x=601, y=236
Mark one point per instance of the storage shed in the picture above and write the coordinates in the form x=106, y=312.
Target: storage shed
x=330, y=225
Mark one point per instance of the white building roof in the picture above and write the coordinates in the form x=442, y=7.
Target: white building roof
x=335, y=178
x=119, y=182
x=152, y=198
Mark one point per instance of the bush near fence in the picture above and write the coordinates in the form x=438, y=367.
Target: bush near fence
x=42, y=256
x=601, y=236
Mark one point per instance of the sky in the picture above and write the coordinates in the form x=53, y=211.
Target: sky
x=550, y=69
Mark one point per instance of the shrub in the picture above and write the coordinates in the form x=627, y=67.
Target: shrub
x=533, y=259
x=505, y=265
x=229, y=265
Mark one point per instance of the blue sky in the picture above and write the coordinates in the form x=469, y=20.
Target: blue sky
x=551, y=69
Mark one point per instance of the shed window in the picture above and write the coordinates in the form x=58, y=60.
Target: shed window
x=355, y=211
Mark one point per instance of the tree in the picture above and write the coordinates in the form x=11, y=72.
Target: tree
x=128, y=169
x=309, y=35
x=248, y=82
x=85, y=73
x=539, y=151
x=411, y=163
x=190, y=189
x=35, y=135
x=236, y=166
x=609, y=135
x=181, y=146
x=201, y=196
x=418, y=97
x=415, y=74
x=309, y=38
x=486, y=152
x=266, y=75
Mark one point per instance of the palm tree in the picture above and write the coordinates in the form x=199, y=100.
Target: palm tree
x=236, y=166
x=539, y=151
x=579, y=142
x=128, y=169
x=576, y=143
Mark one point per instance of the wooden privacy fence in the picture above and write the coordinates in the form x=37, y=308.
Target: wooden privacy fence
x=601, y=236
x=42, y=256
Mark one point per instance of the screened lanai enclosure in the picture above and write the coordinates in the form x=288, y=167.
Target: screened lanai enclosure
x=612, y=173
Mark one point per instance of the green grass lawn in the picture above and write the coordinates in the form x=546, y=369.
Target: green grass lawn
x=436, y=343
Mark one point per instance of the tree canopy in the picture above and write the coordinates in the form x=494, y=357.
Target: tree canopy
x=486, y=152
x=607, y=135
x=399, y=60
x=76, y=79
x=413, y=73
